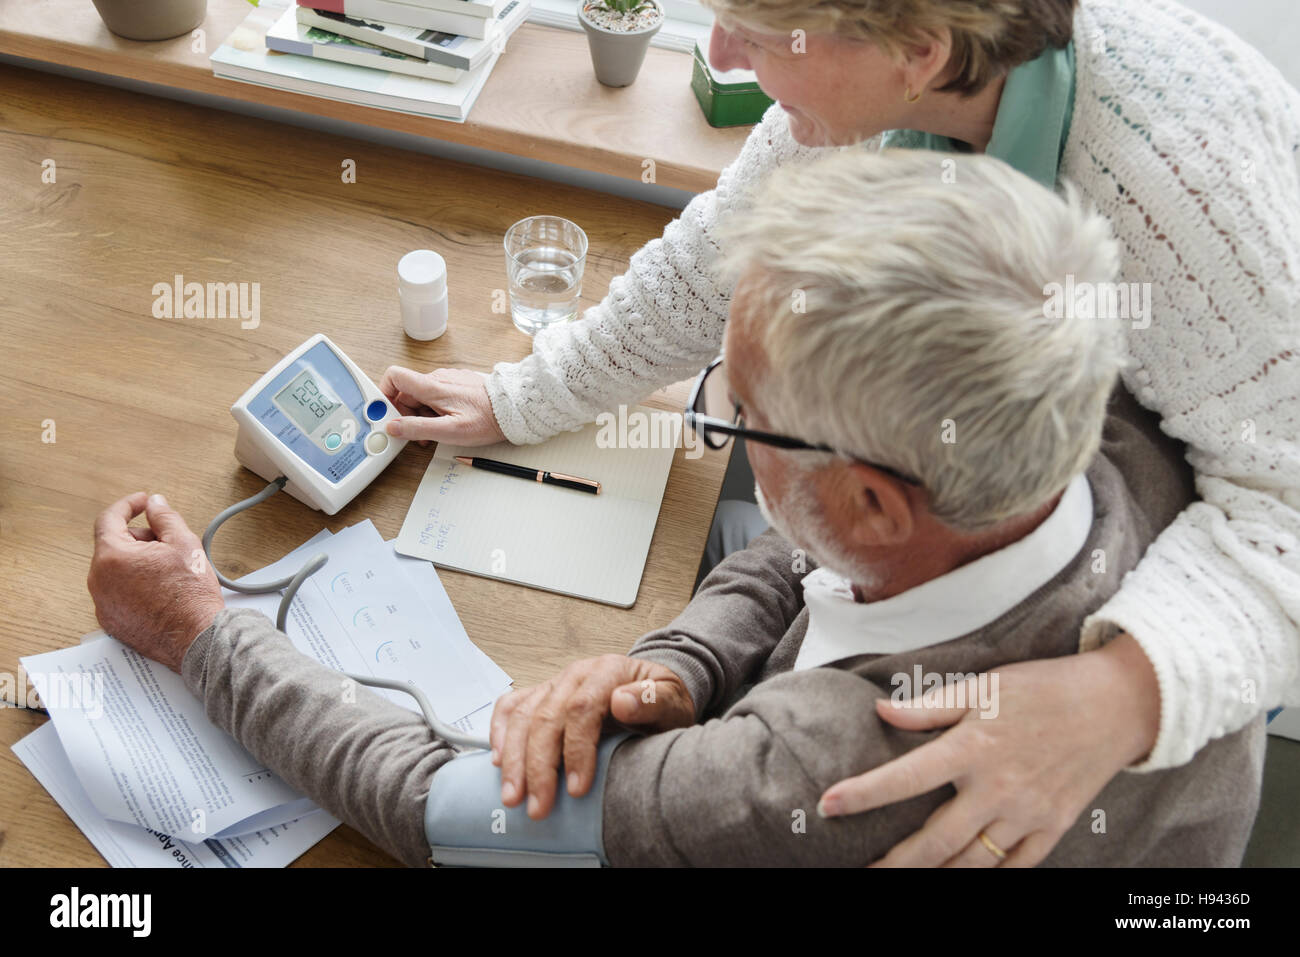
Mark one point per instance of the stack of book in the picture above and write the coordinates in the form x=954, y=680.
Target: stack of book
x=428, y=57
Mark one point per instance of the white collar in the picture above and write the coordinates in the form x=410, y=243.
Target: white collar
x=947, y=607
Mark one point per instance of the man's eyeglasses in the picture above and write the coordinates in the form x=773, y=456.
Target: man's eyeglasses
x=715, y=416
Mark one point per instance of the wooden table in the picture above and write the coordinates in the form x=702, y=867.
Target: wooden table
x=541, y=101
x=146, y=189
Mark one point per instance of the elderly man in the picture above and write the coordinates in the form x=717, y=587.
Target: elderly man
x=925, y=439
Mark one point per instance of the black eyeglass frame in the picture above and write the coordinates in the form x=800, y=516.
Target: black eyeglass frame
x=703, y=425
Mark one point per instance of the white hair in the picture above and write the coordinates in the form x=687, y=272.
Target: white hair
x=900, y=296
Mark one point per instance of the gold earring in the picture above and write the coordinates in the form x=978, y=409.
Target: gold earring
x=908, y=97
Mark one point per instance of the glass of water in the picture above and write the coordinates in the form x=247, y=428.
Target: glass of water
x=544, y=260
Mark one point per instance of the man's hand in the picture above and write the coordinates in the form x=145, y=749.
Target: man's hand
x=1064, y=727
x=152, y=587
x=446, y=405
x=530, y=728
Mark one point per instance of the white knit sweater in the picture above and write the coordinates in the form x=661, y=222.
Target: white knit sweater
x=1189, y=141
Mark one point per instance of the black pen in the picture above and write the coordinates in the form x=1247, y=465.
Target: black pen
x=533, y=475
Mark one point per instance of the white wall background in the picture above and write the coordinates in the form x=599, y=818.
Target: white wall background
x=1270, y=26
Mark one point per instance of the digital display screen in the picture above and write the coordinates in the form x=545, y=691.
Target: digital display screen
x=306, y=401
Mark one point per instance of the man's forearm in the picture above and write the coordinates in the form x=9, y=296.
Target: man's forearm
x=359, y=756
x=740, y=613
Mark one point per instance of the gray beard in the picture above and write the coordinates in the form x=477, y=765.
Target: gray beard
x=809, y=531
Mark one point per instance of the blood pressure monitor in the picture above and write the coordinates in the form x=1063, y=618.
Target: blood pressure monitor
x=319, y=421
x=314, y=427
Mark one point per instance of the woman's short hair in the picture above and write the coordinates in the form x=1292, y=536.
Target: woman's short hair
x=989, y=37
x=901, y=299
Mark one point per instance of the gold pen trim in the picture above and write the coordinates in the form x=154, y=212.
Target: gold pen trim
x=574, y=478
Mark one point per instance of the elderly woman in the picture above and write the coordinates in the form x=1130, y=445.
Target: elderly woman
x=1188, y=142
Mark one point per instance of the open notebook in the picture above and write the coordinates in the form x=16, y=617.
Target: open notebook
x=557, y=539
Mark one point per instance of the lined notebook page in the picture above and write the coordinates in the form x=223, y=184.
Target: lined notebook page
x=499, y=526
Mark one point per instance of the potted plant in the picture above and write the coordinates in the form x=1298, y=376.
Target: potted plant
x=151, y=19
x=618, y=33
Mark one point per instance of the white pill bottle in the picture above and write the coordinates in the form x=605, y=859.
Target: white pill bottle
x=422, y=290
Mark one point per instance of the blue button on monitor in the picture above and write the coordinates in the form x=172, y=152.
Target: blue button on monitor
x=376, y=410
x=333, y=441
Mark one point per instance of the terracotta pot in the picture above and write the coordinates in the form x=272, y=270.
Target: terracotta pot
x=151, y=19
x=617, y=57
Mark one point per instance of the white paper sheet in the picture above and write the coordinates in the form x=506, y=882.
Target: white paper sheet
x=126, y=845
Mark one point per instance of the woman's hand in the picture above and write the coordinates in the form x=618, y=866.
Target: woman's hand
x=445, y=405
x=1063, y=728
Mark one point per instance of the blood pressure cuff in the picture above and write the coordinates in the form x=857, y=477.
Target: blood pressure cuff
x=467, y=825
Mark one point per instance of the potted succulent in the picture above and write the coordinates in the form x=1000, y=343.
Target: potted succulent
x=618, y=33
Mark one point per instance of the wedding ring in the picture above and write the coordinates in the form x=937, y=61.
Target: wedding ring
x=996, y=851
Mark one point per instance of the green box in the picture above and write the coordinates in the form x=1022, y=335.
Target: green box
x=732, y=98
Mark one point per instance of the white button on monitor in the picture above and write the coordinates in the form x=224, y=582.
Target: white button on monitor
x=376, y=442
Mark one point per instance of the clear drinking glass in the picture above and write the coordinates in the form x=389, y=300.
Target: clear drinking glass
x=544, y=260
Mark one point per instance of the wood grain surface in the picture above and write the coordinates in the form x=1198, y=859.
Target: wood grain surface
x=541, y=101
x=146, y=189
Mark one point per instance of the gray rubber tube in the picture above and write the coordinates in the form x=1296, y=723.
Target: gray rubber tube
x=291, y=585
